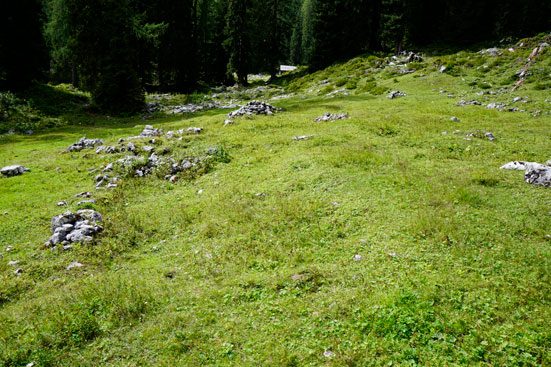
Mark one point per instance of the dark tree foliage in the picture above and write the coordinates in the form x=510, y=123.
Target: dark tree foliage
x=213, y=57
x=238, y=39
x=116, y=48
x=105, y=46
x=176, y=54
x=23, y=55
x=343, y=29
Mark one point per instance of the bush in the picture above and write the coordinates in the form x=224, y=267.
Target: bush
x=17, y=115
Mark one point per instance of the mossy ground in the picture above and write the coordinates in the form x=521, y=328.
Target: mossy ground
x=456, y=257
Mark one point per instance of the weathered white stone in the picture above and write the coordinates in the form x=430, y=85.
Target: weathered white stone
x=14, y=170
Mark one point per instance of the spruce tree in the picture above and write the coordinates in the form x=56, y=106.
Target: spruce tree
x=105, y=44
x=238, y=41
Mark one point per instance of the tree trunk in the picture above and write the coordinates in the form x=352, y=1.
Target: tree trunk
x=74, y=75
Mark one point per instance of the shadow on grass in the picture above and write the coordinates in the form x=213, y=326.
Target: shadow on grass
x=54, y=102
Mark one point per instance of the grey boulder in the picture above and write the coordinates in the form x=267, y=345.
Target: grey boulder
x=14, y=170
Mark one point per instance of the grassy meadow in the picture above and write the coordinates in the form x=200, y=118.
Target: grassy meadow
x=388, y=239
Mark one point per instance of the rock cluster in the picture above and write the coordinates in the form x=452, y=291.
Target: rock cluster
x=395, y=94
x=491, y=51
x=83, y=143
x=77, y=227
x=535, y=173
x=481, y=135
x=467, y=103
x=149, y=132
x=15, y=170
x=332, y=117
x=254, y=108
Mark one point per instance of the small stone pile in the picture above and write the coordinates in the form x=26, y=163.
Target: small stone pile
x=254, y=108
x=535, y=173
x=395, y=94
x=332, y=117
x=76, y=227
x=83, y=143
x=15, y=170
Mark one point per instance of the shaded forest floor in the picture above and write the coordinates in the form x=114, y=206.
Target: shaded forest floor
x=390, y=238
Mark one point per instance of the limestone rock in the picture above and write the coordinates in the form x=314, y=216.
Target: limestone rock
x=395, y=94
x=332, y=117
x=84, y=143
x=14, y=170
x=76, y=227
x=538, y=175
x=254, y=108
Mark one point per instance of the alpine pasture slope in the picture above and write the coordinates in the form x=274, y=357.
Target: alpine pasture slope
x=388, y=239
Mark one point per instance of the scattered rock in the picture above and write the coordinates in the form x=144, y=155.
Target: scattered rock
x=518, y=165
x=395, y=94
x=332, y=117
x=489, y=136
x=112, y=150
x=443, y=68
x=194, y=130
x=454, y=119
x=491, y=51
x=302, y=137
x=83, y=143
x=14, y=170
x=328, y=354
x=131, y=147
x=62, y=203
x=85, y=202
x=254, y=108
x=149, y=132
x=75, y=264
x=228, y=122
x=9, y=248
x=496, y=105
x=538, y=175
x=84, y=194
x=18, y=271
x=467, y=103
x=358, y=258
x=13, y=263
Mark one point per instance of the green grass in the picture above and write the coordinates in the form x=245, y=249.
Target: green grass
x=456, y=264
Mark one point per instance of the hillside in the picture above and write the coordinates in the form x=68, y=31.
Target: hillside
x=389, y=238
